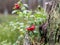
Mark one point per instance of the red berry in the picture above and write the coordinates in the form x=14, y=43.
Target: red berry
x=31, y=28
x=17, y=6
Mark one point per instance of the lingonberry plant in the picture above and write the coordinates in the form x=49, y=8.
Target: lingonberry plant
x=28, y=20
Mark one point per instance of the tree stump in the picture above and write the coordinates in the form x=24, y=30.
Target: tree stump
x=50, y=9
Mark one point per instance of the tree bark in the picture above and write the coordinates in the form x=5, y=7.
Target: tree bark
x=51, y=21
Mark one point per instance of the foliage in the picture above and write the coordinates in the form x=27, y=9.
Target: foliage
x=13, y=28
x=27, y=18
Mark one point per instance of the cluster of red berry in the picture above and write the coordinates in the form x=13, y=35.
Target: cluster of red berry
x=32, y=28
x=17, y=6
